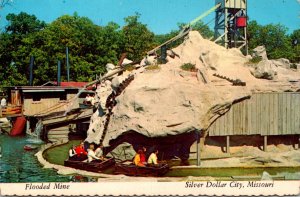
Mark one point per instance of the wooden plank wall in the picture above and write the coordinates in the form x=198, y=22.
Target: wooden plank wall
x=262, y=114
x=45, y=104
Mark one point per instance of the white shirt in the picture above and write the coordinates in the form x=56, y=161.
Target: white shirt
x=72, y=152
x=152, y=159
x=91, y=155
x=99, y=152
x=3, y=102
x=88, y=98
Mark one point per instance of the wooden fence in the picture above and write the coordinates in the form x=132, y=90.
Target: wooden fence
x=263, y=114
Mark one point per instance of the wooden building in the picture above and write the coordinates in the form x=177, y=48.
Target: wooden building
x=41, y=103
x=35, y=100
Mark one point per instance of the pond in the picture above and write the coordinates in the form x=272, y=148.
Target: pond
x=18, y=165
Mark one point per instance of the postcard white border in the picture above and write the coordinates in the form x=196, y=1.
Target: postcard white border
x=279, y=188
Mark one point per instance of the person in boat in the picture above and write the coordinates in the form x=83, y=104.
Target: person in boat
x=137, y=159
x=91, y=154
x=143, y=155
x=99, y=152
x=152, y=160
x=88, y=99
x=81, y=154
x=72, y=152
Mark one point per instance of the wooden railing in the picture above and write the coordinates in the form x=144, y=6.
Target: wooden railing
x=10, y=110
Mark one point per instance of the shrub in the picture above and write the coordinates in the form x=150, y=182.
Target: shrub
x=255, y=60
x=188, y=67
x=129, y=67
x=153, y=67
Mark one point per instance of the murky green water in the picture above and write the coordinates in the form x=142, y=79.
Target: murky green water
x=58, y=154
x=18, y=165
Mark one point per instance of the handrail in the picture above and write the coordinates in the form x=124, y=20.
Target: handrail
x=185, y=30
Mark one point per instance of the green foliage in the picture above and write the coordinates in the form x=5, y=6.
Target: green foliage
x=295, y=38
x=188, y=67
x=137, y=38
x=153, y=67
x=255, y=60
x=274, y=37
x=129, y=67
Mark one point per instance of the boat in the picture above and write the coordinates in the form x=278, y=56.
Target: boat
x=30, y=147
x=128, y=168
x=95, y=166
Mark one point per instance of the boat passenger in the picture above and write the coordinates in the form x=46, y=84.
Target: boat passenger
x=80, y=152
x=91, y=154
x=87, y=99
x=152, y=160
x=72, y=152
x=99, y=152
x=137, y=159
x=143, y=155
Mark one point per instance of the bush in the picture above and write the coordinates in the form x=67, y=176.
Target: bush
x=255, y=60
x=152, y=67
x=129, y=67
x=188, y=67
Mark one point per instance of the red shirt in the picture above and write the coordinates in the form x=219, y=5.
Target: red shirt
x=80, y=150
x=143, y=157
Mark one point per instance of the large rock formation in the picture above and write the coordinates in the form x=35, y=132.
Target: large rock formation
x=166, y=100
x=265, y=69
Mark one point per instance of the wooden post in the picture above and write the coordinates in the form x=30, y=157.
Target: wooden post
x=265, y=143
x=198, y=152
x=228, y=144
x=297, y=142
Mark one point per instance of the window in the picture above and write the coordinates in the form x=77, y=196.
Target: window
x=63, y=97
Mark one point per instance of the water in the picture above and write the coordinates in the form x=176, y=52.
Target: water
x=18, y=165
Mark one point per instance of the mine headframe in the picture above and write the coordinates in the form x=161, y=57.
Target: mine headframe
x=231, y=24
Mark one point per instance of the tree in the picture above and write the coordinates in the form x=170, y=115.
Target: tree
x=137, y=38
x=273, y=36
x=295, y=38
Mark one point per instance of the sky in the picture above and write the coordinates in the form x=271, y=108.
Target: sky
x=161, y=16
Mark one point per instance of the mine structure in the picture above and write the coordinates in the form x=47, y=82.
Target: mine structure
x=231, y=24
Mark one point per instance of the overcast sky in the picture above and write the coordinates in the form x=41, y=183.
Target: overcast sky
x=161, y=16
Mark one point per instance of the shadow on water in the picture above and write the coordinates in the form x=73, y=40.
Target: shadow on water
x=58, y=154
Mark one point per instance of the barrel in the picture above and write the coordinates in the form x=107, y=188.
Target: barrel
x=241, y=21
x=18, y=126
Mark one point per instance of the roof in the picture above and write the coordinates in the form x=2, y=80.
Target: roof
x=67, y=84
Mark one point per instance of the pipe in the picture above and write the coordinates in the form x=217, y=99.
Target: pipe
x=67, y=63
x=58, y=73
x=31, y=71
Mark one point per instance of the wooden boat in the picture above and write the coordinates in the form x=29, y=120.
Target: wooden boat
x=30, y=147
x=128, y=168
x=95, y=166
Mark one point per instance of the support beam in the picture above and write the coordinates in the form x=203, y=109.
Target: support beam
x=228, y=144
x=265, y=143
x=297, y=142
x=198, y=152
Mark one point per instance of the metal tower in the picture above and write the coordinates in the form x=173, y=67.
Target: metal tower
x=231, y=24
